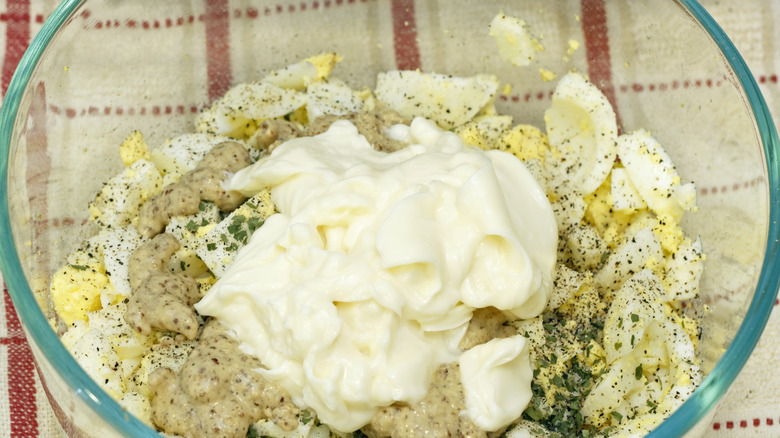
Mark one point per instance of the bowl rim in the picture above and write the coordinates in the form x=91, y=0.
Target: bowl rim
x=692, y=411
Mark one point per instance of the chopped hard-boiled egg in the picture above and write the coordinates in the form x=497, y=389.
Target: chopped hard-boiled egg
x=76, y=290
x=610, y=222
x=333, y=97
x=118, y=244
x=526, y=142
x=515, y=43
x=299, y=75
x=485, y=131
x=244, y=106
x=547, y=75
x=218, y=246
x=646, y=384
x=587, y=247
x=654, y=175
x=121, y=198
x=630, y=257
x=449, y=101
x=107, y=348
x=138, y=405
x=182, y=153
x=638, y=301
x=582, y=125
x=573, y=46
x=624, y=194
x=683, y=271
x=133, y=148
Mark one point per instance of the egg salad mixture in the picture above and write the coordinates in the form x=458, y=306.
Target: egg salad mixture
x=317, y=261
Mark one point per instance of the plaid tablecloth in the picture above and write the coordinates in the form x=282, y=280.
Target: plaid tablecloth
x=752, y=406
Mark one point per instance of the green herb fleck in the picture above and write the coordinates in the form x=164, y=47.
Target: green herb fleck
x=652, y=405
x=603, y=259
x=616, y=415
x=638, y=372
x=253, y=224
x=533, y=413
x=211, y=246
x=79, y=267
x=252, y=432
x=192, y=226
x=634, y=317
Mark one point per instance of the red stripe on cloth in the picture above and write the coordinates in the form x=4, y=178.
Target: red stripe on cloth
x=594, y=28
x=21, y=368
x=21, y=378
x=407, y=54
x=17, y=37
x=218, y=69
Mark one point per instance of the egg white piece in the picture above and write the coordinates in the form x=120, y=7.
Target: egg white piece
x=484, y=131
x=648, y=383
x=268, y=428
x=245, y=104
x=624, y=194
x=118, y=244
x=567, y=283
x=587, y=247
x=569, y=210
x=299, y=75
x=138, y=405
x=630, y=257
x=636, y=304
x=654, y=175
x=182, y=153
x=515, y=43
x=449, y=101
x=582, y=125
x=683, y=271
x=332, y=97
x=220, y=243
x=120, y=199
x=295, y=76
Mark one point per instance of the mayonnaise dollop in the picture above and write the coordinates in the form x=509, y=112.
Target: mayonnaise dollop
x=366, y=279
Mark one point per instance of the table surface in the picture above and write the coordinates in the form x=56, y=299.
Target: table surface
x=751, y=407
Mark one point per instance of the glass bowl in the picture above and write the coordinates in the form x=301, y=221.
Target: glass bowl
x=99, y=69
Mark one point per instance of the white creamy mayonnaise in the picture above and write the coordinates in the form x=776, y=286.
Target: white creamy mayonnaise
x=366, y=279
